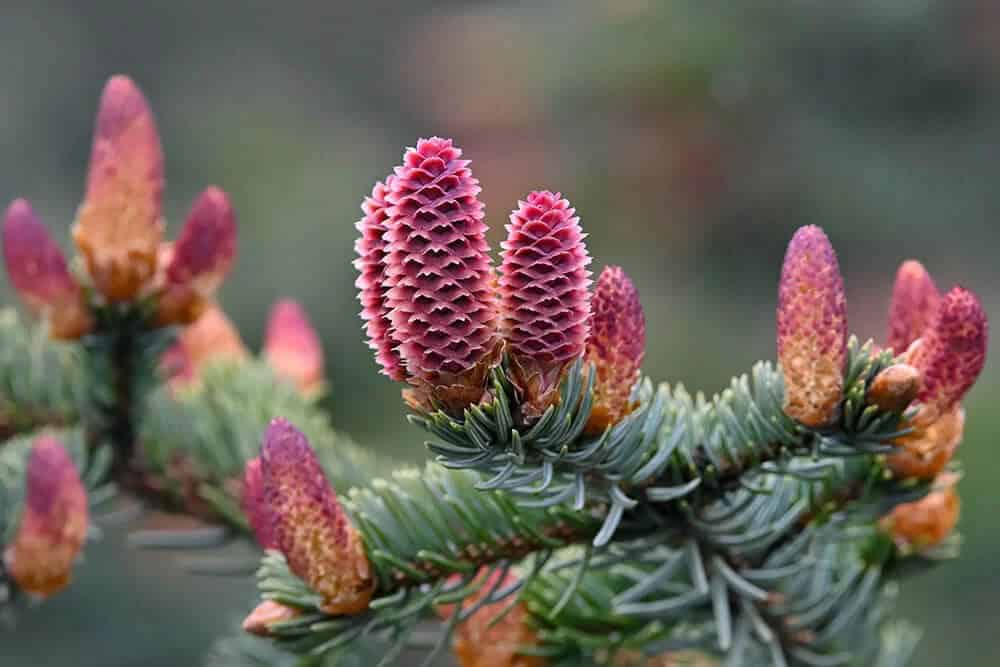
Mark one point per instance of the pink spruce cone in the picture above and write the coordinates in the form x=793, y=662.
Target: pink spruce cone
x=915, y=300
x=441, y=295
x=371, y=249
x=54, y=524
x=119, y=224
x=253, y=505
x=812, y=328
x=199, y=260
x=544, y=295
x=293, y=349
x=616, y=347
x=310, y=526
x=951, y=353
x=37, y=270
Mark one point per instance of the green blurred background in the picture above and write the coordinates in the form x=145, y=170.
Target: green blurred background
x=692, y=136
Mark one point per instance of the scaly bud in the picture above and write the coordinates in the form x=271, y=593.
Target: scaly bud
x=199, y=260
x=812, y=328
x=915, y=300
x=616, y=347
x=53, y=526
x=253, y=505
x=441, y=295
x=894, y=388
x=371, y=249
x=266, y=614
x=925, y=452
x=544, y=296
x=37, y=270
x=310, y=526
x=477, y=644
x=292, y=347
x=119, y=224
x=924, y=524
x=211, y=338
x=951, y=353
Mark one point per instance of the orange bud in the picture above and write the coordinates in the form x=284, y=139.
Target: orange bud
x=812, y=328
x=292, y=347
x=119, y=224
x=266, y=614
x=212, y=337
x=477, y=644
x=54, y=524
x=925, y=523
x=925, y=452
x=310, y=525
x=894, y=388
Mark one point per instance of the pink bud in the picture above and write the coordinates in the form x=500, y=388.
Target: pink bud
x=254, y=507
x=292, y=347
x=310, y=526
x=616, y=346
x=54, y=524
x=211, y=338
x=371, y=249
x=205, y=250
x=119, y=224
x=544, y=285
x=951, y=353
x=812, y=328
x=441, y=298
x=915, y=300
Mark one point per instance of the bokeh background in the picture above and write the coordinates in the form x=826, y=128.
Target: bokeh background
x=693, y=136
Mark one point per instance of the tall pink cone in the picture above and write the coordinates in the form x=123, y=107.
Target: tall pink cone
x=292, y=347
x=441, y=295
x=119, y=224
x=616, y=346
x=915, y=300
x=371, y=249
x=310, y=526
x=253, y=505
x=54, y=524
x=545, y=301
x=812, y=328
x=37, y=270
x=951, y=353
x=199, y=260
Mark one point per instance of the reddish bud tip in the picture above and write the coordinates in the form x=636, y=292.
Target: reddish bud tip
x=441, y=295
x=951, y=353
x=254, y=507
x=292, y=347
x=544, y=294
x=266, y=614
x=616, y=346
x=119, y=224
x=37, y=270
x=812, y=328
x=205, y=250
x=924, y=524
x=54, y=524
x=310, y=526
x=915, y=300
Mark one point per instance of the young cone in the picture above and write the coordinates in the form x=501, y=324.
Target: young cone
x=266, y=614
x=924, y=524
x=915, y=300
x=293, y=349
x=54, y=524
x=199, y=260
x=371, y=249
x=119, y=224
x=253, y=505
x=310, y=526
x=925, y=452
x=616, y=347
x=37, y=270
x=211, y=338
x=544, y=294
x=441, y=300
x=951, y=354
x=812, y=328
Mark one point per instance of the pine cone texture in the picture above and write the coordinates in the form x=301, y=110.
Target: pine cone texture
x=915, y=300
